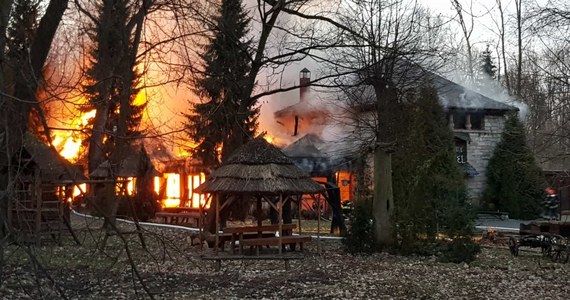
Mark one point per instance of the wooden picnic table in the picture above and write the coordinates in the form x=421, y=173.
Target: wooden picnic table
x=180, y=217
x=285, y=236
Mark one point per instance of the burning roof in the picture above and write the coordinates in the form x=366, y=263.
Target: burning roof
x=51, y=165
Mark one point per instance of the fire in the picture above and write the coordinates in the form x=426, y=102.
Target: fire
x=269, y=138
x=69, y=142
x=174, y=190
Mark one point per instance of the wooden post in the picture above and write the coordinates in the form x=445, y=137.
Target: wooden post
x=299, y=208
x=259, y=208
x=200, y=216
x=318, y=225
x=280, y=211
x=37, y=193
x=217, y=200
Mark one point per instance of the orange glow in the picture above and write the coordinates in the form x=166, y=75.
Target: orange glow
x=269, y=138
x=344, y=182
x=79, y=189
x=126, y=185
x=172, y=190
x=193, y=182
x=69, y=142
x=157, y=185
x=131, y=185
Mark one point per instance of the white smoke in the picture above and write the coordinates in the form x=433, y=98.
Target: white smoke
x=487, y=87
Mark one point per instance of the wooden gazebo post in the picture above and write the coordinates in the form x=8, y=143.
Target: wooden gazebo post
x=319, y=225
x=280, y=211
x=217, y=219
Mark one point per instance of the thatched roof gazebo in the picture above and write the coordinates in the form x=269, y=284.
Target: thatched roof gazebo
x=260, y=170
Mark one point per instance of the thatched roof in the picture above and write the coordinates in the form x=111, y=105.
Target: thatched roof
x=259, y=168
x=52, y=166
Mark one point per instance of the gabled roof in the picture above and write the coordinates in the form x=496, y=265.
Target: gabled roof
x=307, y=146
x=453, y=96
x=456, y=96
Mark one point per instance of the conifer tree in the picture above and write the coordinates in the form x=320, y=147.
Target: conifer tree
x=514, y=180
x=429, y=190
x=111, y=77
x=488, y=66
x=214, y=123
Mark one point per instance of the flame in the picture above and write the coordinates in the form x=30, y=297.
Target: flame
x=269, y=138
x=69, y=142
x=197, y=199
x=172, y=190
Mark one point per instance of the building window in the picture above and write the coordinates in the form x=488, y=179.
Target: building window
x=467, y=120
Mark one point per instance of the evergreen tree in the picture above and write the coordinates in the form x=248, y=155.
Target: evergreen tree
x=111, y=77
x=20, y=32
x=214, y=123
x=429, y=190
x=514, y=181
x=488, y=66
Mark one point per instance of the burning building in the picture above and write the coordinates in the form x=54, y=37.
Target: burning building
x=476, y=120
x=305, y=122
x=174, y=178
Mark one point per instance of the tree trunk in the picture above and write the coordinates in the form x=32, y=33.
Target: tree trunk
x=383, y=204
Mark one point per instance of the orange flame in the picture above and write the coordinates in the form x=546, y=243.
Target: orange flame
x=69, y=142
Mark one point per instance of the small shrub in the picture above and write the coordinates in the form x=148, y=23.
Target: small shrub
x=360, y=234
x=459, y=250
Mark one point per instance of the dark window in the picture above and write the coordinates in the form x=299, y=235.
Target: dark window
x=460, y=120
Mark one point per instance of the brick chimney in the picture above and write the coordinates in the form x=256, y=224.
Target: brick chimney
x=304, y=80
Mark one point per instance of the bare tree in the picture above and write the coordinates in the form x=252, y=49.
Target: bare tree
x=519, y=27
x=385, y=52
x=467, y=27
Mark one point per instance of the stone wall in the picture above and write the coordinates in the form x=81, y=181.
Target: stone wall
x=479, y=151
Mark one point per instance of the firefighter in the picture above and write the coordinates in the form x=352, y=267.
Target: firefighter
x=551, y=204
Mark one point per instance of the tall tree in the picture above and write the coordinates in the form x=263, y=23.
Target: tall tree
x=113, y=80
x=216, y=122
x=383, y=58
x=514, y=181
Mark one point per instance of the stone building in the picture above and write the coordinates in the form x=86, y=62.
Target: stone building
x=477, y=122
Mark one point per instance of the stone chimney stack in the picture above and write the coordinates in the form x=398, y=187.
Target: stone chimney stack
x=304, y=80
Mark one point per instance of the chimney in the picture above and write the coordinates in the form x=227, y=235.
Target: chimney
x=304, y=80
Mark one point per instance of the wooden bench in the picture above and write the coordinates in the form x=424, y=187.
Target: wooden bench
x=262, y=228
x=180, y=218
x=274, y=241
x=228, y=237
x=291, y=240
x=239, y=233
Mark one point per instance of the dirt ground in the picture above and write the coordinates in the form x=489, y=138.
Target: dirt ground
x=171, y=268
